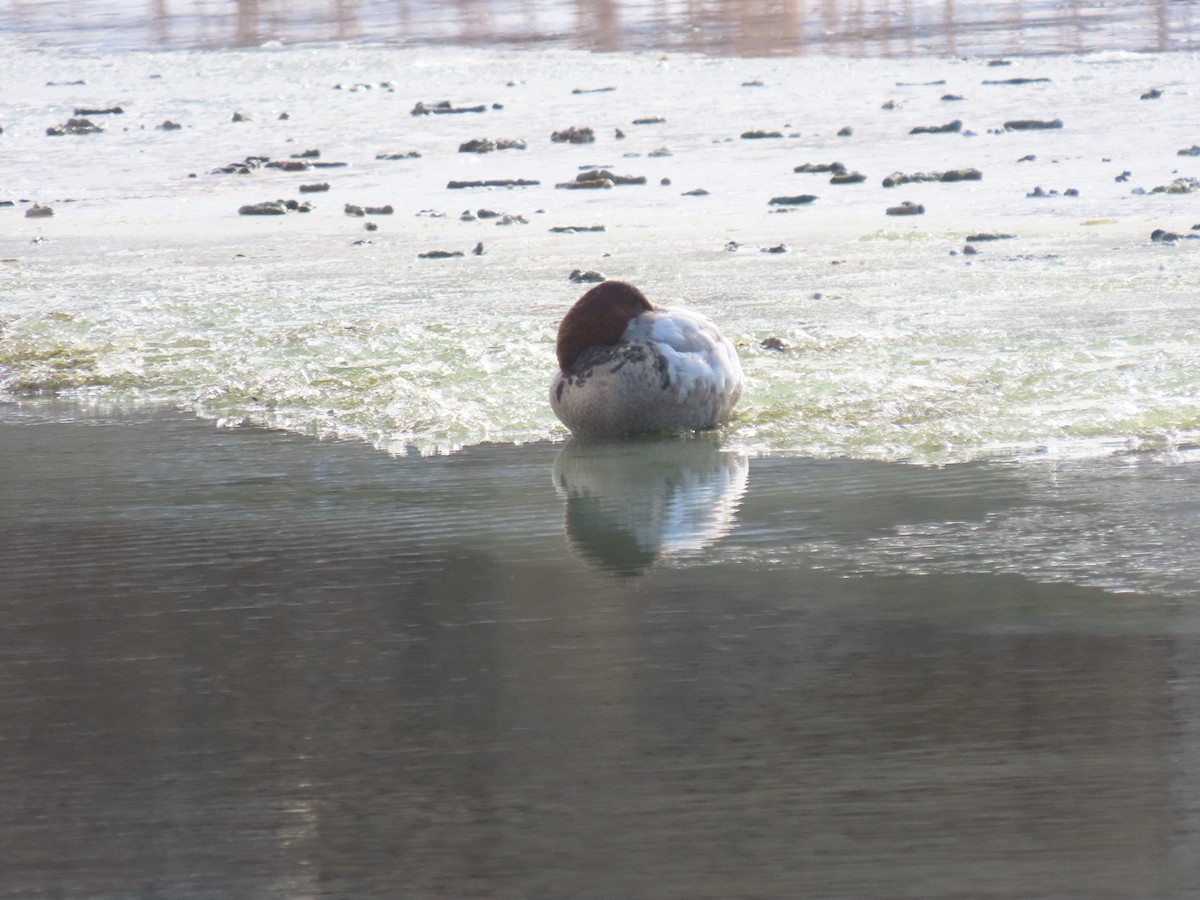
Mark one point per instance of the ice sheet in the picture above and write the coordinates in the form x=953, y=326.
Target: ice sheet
x=1079, y=334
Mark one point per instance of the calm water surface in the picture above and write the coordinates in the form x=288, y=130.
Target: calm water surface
x=722, y=27
x=240, y=662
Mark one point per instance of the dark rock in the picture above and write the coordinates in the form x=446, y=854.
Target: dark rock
x=1158, y=235
x=1032, y=124
x=600, y=178
x=107, y=111
x=907, y=208
x=440, y=254
x=758, y=135
x=75, y=126
x=848, y=178
x=588, y=277
x=245, y=167
x=498, y=182
x=798, y=200
x=951, y=175
x=773, y=343
x=289, y=165
x=37, y=211
x=477, y=145
x=1019, y=81
x=575, y=229
x=585, y=184
x=574, y=135
x=835, y=168
x=1152, y=94
x=921, y=83
x=307, y=154
x=484, y=145
x=411, y=154
x=444, y=107
x=328, y=165
x=989, y=236
x=615, y=179
x=168, y=125
x=1178, y=186
x=948, y=128
x=650, y=120
x=269, y=208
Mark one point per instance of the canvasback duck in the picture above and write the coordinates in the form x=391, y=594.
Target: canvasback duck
x=627, y=366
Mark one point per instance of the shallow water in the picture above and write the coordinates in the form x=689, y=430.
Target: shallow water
x=241, y=662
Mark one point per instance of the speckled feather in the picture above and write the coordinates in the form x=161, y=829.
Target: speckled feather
x=671, y=370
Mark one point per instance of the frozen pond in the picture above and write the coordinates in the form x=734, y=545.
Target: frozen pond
x=306, y=593
x=1074, y=332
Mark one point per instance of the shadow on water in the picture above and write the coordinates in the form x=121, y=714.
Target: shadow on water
x=247, y=663
x=717, y=27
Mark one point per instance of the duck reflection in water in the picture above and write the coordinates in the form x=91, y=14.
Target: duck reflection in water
x=635, y=501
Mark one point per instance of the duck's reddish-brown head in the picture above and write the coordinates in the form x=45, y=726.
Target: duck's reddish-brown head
x=598, y=317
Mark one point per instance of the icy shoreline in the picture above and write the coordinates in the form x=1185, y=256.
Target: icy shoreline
x=898, y=341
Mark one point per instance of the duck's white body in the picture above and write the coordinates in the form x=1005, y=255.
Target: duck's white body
x=666, y=370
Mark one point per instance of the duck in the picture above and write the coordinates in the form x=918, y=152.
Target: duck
x=627, y=367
